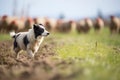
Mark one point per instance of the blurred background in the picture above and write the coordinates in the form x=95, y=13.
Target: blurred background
x=84, y=41
x=62, y=15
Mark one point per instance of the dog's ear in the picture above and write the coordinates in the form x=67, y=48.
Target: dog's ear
x=35, y=26
x=41, y=24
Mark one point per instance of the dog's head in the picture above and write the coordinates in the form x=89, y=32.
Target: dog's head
x=40, y=30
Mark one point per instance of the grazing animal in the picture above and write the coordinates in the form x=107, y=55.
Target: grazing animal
x=4, y=23
x=28, y=23
x=99, y=24
x=88, y=25
x=114, y=24
x=84, y=25
x=64, y=26
x=13, y=26
x=48, y=25
x=29, y=41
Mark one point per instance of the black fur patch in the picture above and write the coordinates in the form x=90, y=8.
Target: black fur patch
x=15, y=42
x=38, y=30
x=25, y=40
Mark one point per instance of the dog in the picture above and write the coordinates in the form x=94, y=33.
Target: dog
x=29, y=41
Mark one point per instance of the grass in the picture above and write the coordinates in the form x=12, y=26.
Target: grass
x=4, y=37
x=95, y=56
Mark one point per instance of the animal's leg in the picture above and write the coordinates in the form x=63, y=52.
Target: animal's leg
x=17, y=52
x=30, y=53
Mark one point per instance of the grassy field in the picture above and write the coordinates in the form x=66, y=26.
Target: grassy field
x=4, y=37
x=97, y=54
x=93, y=56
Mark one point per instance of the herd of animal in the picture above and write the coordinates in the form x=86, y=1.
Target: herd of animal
x=8, y=24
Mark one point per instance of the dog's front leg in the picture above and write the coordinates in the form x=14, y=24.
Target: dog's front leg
x=30, y=53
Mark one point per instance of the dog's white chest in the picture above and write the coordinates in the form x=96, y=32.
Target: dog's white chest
x=34, y=46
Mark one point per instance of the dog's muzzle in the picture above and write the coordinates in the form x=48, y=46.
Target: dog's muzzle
x=48, y=33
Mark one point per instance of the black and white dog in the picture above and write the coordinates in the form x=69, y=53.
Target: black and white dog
x=29, y=41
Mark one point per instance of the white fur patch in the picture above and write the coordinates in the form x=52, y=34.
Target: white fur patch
x=12, y=33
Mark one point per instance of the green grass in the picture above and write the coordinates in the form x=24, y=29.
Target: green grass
x=4, y=37
x=97, y=54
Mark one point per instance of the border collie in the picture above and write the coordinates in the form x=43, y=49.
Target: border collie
x=29, y=41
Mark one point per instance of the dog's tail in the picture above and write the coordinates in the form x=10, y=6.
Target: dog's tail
x=12, y=34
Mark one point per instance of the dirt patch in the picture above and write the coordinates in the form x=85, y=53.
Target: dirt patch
x=45, y=66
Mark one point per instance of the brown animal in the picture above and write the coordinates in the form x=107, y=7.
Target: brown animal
x=4, y=23
x=35, y=20
x=16, y=25
x=64, y=26
x=13, y=26
x=84, y=26
x=88, y=25
x=80, y=26
x=28, y=23
x=114, y=25
x=98, y=25
x=48, y=24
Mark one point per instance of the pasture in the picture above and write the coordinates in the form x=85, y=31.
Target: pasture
x=64, y=56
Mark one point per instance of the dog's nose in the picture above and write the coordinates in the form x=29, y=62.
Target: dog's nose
x=48, y=33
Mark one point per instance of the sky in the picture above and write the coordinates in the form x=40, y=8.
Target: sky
x=54, y=8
